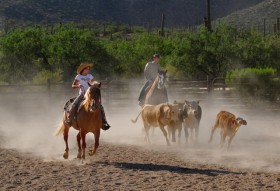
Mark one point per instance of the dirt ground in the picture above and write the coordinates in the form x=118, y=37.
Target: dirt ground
x=31, y=156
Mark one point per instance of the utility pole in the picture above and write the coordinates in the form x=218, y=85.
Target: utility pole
x=162, y=24
x=208, y=15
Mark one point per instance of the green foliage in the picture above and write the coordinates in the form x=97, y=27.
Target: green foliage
x=31, y=50
x=116, y=51
x=204, y=53
x=256, y=82
x=45, y=75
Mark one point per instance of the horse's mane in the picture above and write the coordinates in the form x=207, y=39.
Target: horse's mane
x=94, y=90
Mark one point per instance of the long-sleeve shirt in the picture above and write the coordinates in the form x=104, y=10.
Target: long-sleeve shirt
x=151, y=71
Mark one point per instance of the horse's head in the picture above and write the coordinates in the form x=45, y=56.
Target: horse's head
x=93, y=95
x=161, y=79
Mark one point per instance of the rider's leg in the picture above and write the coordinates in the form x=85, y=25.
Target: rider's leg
x=105, y=126
x=143, y=93
x=73, y=109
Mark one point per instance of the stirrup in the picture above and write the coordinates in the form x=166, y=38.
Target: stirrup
x=140, y=103
x=105, y=126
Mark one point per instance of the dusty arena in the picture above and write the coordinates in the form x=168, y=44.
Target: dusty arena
x=31, y=156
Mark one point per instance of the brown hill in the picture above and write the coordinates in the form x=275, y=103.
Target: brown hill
x=135, y=12
x=265, y=13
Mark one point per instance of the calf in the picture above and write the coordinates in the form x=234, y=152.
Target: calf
x=192, y=121
x=229, y=125
x=177, y=125
x=157, y=116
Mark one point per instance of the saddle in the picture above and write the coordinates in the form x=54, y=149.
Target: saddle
x=68, y=104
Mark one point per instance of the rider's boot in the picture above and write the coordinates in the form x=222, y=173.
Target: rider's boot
x=73, y=109
x=105, y=125
x=71, y=114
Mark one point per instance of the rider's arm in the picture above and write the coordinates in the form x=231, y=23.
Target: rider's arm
x=76, y=84
x=149, y=73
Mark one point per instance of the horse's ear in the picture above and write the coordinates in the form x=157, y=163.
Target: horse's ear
x=96, y=83
x=165, y=71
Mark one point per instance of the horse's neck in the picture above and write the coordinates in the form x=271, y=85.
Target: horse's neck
x=150, y=92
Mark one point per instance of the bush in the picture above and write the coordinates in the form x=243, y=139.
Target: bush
x=44, y=75
x=256, y=82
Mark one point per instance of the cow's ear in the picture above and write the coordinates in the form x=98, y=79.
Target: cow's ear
x=197, y=101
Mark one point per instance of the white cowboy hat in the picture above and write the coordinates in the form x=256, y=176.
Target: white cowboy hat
x=83, y=66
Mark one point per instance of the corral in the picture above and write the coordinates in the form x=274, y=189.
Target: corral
x=33, y=156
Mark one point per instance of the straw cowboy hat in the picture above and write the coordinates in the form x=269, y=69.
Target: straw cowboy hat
x=83, y=66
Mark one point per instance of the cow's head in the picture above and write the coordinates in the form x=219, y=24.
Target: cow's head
x=241, y=121
x=182, y=113
x=175, y=112
x=170, y=112
x=191, y=107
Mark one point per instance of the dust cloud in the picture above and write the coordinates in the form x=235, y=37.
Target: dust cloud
x=28, y=125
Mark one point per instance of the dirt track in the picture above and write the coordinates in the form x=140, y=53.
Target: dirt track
x=31, y=157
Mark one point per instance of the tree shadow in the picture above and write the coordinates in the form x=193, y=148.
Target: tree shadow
x=170, y=168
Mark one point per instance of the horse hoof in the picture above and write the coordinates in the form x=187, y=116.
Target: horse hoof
x=91, y=153
x=65, y=155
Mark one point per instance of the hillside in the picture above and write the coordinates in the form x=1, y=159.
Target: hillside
x=254, y=16
x=135, y=12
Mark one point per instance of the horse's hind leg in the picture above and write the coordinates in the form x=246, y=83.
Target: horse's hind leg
x=96, y=143
x=65, y=136
x=79, y=145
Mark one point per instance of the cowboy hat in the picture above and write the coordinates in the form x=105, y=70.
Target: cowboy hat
x=83, y=66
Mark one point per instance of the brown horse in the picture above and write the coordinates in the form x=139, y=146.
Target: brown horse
x=157, y=93
x=88, y=119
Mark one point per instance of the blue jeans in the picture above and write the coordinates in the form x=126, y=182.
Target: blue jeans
x=143, y=91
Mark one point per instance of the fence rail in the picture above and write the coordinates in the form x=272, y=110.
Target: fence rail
x=119, y=94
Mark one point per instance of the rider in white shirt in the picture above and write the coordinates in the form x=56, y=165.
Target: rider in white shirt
x=82, y=81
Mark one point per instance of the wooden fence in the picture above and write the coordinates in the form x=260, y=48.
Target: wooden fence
x=121, y=94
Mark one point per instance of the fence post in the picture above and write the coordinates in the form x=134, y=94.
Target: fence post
x=49, y=88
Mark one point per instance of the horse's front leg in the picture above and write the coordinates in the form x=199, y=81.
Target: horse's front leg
x=79, y=145
x=83, y=137
x=65, y=136
x=96, y=143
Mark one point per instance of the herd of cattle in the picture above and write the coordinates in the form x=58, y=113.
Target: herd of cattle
x=186, y=115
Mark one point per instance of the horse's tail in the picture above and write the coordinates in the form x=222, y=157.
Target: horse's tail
x=134, y=121
x=60, y=129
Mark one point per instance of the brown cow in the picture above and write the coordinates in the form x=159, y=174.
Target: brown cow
x=177, y=125
x=229, y=125
x=157, y=116
x=189, y=115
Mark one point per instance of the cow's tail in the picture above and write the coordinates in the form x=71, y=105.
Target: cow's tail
x=134, y=121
